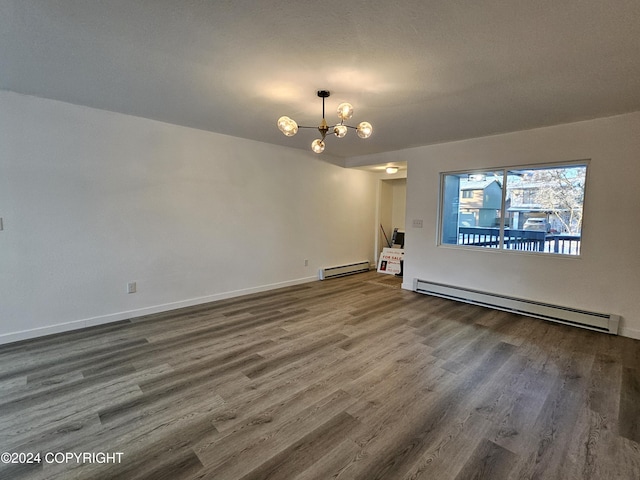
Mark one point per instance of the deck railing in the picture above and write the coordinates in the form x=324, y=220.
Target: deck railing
x=529, y=240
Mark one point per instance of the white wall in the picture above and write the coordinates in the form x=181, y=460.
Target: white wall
x=606, y=278
x=91, y=200
x=385, y=211
x=399, y=206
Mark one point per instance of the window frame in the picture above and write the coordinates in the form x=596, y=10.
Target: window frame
x=503, y=214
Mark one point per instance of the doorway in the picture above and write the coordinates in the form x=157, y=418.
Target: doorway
x=392, y=206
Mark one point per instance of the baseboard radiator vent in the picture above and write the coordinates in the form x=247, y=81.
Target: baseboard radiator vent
x=593, y=321
x=342, y=270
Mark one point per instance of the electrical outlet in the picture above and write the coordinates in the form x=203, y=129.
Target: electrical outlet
x=417, y=223
x=306, y=262
x=131, y=287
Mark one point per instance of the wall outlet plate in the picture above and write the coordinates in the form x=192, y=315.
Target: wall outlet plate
x=131, y=287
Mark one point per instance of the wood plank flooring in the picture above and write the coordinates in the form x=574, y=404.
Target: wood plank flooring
x=351, y=378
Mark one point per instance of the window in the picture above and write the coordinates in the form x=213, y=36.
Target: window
x=528, y=209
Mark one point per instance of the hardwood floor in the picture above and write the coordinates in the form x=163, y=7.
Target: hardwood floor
x=350, y=378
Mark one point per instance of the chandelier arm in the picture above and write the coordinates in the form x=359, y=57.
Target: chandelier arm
x=329, y=126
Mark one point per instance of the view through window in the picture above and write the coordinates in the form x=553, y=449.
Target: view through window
x=529, y=209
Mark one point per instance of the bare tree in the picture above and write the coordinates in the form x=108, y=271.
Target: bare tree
x=560, y=191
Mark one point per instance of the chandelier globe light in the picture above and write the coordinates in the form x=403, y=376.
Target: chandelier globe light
x=317, y=146
x=289, y=127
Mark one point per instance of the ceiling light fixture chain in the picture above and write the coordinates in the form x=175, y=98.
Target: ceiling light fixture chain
x=289, y=127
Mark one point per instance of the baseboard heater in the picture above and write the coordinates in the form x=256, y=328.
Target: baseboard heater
x=593, y=321
x=342, y=270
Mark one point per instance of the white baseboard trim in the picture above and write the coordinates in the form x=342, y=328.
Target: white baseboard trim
x=115, y=317
x=630, y=332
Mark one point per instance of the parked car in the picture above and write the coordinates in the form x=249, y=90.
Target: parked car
x=537, y=224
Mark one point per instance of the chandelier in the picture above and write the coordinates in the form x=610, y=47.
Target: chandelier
x=345, y=111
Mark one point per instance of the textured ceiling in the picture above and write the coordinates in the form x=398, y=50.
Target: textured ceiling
x=421, y=71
